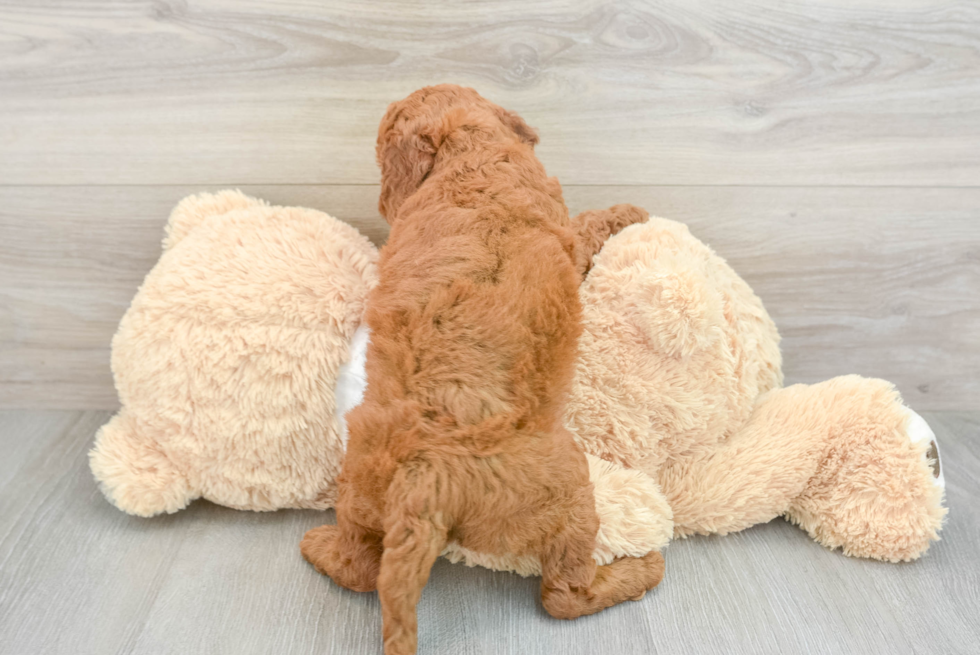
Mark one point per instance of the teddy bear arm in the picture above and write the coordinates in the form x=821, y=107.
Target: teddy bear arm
x=134, y=473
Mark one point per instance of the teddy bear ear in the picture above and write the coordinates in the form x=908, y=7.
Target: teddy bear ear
x=194, y=210
x=677, y=312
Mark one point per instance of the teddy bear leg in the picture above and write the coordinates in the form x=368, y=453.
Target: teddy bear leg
x=134, y=473
x=347, y=553
x=835, y=458
x=753, y=475
x=879, y=491
x=596, y=226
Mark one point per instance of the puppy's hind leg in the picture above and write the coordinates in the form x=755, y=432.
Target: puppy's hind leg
x=347, y=553
x=415, y=534
x=595, y=226
x=572, y=585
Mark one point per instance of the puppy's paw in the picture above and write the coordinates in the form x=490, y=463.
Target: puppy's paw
x=351, y=564
x=624, y=215
x=319, y=548
x=595, y=226
x=653, y=569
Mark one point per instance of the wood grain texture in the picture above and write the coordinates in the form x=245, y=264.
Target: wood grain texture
x=259, y=92
x=881, y=282
x=79, y=577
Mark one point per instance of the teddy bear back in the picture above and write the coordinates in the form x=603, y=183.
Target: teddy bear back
x=675, y=348
x=226, y=361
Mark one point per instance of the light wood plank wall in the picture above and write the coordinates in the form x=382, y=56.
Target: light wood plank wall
x=829, y=150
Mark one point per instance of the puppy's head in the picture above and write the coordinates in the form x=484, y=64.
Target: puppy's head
x=445, y=119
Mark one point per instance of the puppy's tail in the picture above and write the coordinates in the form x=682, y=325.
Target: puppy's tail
x=416, y=530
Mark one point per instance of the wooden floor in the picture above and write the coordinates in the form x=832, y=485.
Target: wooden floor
x=829, y=149
x=77, y=576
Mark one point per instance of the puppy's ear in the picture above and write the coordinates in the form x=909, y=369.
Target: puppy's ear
x=525, y=132
x=406, y=153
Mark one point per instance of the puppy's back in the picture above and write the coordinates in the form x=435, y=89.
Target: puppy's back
x=477, y=324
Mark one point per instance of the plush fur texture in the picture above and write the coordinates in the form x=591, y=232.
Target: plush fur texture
x=474, y=325
x=725, y=451
x=676, y=395
x=216, y=386
x=226, y=360
x=679, y=376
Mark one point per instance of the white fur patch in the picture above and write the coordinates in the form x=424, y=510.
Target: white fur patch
x=352, y=379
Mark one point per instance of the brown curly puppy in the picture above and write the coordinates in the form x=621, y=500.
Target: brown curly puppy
x=474, y=326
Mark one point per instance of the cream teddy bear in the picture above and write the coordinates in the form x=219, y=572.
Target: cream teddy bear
x=226, y=361
x=241, y=353
x=679, y=376
x=239, y=357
